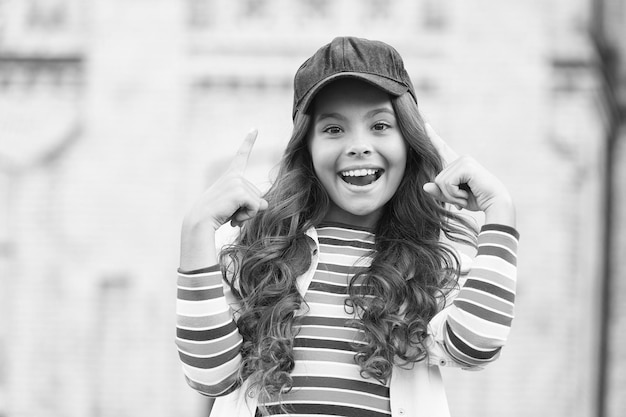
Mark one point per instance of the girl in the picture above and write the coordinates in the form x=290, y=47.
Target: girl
x=342, y=295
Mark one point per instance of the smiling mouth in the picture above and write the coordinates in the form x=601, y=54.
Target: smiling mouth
x=361, y=177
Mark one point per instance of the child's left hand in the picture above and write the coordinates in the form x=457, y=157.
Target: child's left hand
x=465, y=183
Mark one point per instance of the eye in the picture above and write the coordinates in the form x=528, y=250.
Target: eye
x=381, y=126
x=332, y=130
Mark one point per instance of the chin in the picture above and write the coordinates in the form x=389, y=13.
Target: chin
x=363, y=213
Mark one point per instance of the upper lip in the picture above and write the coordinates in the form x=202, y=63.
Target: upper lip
x=359, y=167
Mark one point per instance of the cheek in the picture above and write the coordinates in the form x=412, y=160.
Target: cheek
x=316, y=160
x=402, y=157
x=314, y=154
x=400, y=162
x=322, y=158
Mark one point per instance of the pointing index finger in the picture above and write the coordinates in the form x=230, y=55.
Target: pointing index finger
x=446, y=152
x=240, y=161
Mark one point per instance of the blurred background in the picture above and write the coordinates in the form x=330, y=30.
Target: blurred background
x=116, y=114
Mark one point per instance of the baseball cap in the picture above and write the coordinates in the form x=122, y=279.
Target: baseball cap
x=372, y=61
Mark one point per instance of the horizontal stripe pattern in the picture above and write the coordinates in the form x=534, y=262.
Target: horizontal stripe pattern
x=317, y=409
x=206, y=334
x=327, y=381
x=326, y=378
x=479, y=320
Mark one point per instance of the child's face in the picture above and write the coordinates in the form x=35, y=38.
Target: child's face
x=358, y=152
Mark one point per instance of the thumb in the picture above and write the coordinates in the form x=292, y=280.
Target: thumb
x=434, y=190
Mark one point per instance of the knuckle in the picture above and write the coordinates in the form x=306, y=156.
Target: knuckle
x=242, y=153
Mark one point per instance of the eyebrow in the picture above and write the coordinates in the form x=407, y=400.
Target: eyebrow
x=367, y=115
x=330, y=116
x=380, y=110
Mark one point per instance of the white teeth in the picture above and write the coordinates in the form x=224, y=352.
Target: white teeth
x=359, y=172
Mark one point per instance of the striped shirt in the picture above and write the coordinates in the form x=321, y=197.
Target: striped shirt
x=479, y=321
x=326, y=378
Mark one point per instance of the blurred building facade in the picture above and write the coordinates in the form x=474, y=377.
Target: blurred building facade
x=115, y=114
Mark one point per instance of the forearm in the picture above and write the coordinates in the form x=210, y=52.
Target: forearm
x=197, y=245
x=501, y=212
x=479, y=321
x=206, y=333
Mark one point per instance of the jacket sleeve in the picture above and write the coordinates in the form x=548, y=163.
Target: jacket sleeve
x=472, y=329
x=206, y=332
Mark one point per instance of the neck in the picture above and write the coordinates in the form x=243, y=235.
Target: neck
x=338, y=215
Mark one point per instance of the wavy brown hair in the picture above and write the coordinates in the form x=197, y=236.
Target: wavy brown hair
x=405, y=286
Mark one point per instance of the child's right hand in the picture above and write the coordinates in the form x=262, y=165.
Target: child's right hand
x=232, y=197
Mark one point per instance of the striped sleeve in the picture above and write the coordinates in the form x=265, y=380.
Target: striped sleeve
x=479, y=320
x=206, y=333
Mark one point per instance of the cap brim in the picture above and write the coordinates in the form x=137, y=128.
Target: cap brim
x=388, y=85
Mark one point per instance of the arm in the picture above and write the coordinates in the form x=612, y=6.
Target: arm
x=476, y=325
x=206, y=332
x=473, y=329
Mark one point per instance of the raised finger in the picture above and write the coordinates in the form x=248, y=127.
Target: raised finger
x=240, y=161
x=445, y=151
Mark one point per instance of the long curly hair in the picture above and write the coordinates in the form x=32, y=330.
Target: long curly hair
x=410, y=274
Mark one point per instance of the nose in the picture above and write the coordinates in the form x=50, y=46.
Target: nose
x=359, y=147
